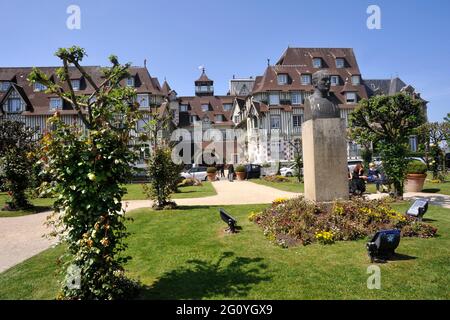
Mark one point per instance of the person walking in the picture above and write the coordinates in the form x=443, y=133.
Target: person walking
x=231, y=173
x=222, y=170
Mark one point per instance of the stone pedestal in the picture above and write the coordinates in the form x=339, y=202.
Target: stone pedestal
x=325, y=160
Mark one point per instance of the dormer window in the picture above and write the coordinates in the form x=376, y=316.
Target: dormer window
x=356, y=80
x=282, y=79
x=317, y=63
x=75, y=84
x=55, y=103
x=340, y=63
x=39, y=87
x=350, y=97
x=14, y=103
x=306, y=79
x=4, y=86
x=334, y=80
x=130, y=82
x=218, y=118
x=205, y=107
x=184, y=108
x=143, y=100
x=227, y=107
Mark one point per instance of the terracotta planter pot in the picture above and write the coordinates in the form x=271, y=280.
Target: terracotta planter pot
x=415, y=182
x=212, y=176
x=240, y=176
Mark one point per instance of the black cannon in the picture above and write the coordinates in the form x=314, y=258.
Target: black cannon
x=418, y=209
x=383, y=245
x=229, y=220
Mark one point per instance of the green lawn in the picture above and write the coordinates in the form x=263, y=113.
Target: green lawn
x=184, y=254
x=291, y=186
x=294, y=186
x=136, y=192
x=441, y=188
x=40, y=206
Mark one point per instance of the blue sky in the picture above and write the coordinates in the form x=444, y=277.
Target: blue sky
x=236, y=37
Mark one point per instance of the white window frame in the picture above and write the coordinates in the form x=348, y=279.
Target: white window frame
x=76, y=84
x=297, y=123
x=358, y=78
x=282, y=79
x=317, y=63
x=9, y=105
x=140, y=126
x=4, y=86
x=272, y=122
x=340, y=63
x=205, y=107
x=305, y=76
x=218, y=118
x=296, y=101
x=274, y=98
x=184, y=108
x=39, y=87
x=347, y=100
x=227, y=106
x=130, y=82
x=413, y=143
x=60, y=104
x=145, y=98
x=336, y=83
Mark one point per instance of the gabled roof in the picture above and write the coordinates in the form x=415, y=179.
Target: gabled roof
x=296, y=62
x=165, y=88
x=384, y=86
x=39, y=101
x=21, y=92
x=203, y=77
x=216, y=107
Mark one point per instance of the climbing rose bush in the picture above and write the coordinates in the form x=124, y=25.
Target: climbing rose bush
x=87, y=167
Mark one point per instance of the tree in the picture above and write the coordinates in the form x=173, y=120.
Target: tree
x=88, y=166
x=163, y=172
x=298, y=158
x=388, y=122
x=17, y=150
x=435, y=134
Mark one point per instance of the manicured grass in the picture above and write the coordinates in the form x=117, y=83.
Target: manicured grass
x=41, y=205
x=441, y=188
x=185, y=254
x=136, y=192
x=291, y=186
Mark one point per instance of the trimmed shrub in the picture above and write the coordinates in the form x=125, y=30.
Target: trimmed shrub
x=211, y=170
x=298, y=221
x=416, y=167
x=240, y=168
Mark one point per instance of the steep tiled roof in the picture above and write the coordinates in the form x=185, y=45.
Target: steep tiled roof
x=299, y=61
x=215, y=104
x=39, y=101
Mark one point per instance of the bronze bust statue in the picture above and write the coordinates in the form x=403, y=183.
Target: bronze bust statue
x=319, y=105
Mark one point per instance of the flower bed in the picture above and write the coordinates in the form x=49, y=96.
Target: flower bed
x=297, y=221
x=276, y=179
